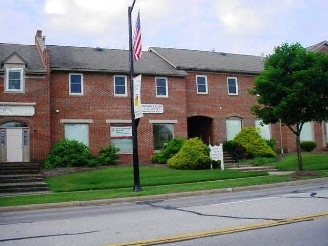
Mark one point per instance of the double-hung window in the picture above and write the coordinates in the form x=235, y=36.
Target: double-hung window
x=120, y=85
x=161, y=87
x=201, y=82
x=14, y=80
x=232, y=86
x=75, y=84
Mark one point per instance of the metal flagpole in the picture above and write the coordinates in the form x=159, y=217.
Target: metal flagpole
x=136, y=178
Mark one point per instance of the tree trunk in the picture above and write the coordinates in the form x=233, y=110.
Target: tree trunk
x=299, y=154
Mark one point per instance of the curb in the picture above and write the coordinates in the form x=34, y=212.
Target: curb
x=155, y=197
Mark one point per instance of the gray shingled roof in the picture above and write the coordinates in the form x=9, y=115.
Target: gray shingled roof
x=28, y=53
x=107, y=60
x=210, y=61
x=317, y=46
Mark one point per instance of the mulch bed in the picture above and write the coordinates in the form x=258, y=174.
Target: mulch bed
x=304, y=174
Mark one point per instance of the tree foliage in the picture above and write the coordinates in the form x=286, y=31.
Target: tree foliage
x=293, y=89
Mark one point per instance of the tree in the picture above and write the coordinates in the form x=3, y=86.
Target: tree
x=293, y=89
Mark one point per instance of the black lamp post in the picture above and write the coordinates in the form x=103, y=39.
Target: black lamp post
x=136, y=177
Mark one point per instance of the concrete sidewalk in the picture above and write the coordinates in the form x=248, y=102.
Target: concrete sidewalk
x=156, y=197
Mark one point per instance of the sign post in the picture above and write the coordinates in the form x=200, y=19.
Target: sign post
x=216, y=153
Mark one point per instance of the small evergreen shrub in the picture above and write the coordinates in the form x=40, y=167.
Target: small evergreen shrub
x=108, y=155
x=229, y=146
x=308, y=146
x=173, y=147
x=69, y=153
x=253, y=143
x=193, y=155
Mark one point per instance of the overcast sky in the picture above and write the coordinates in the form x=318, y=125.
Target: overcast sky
x=232, y=26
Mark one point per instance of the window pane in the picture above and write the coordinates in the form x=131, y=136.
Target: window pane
x=201, y=88
x=120, y=90
x=75, y=78
x=124, y=144
x=233, y=128
x=161, y=82
x=25, y=140
x=3, y=138
x=14, y=75
x=78, y=132
x=201, y=80
x=162, y=134
x=76, y=88
x=161, y=91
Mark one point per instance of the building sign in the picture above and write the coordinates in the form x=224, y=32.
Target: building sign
x=152, y=108
x=120, y=131
x=216, y=153
x=16, y=110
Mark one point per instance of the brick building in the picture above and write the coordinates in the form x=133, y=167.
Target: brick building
x=49, y=92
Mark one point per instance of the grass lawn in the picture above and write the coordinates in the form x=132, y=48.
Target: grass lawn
x=146, y=191
x=311, y=162
x=118, y=182
x=122, y=177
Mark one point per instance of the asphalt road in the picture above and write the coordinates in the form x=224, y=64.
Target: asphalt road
x=257, y=217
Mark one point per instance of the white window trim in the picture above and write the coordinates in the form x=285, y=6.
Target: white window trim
x=125, y=86
x=22, y=82
x=166, y=87
x=73, y=93
x=206, y=85
x=237, y=92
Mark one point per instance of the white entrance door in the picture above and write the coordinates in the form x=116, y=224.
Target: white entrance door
x=14, y=145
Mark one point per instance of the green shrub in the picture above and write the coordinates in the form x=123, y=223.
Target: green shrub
x=308, y=146
x=108, y=155
x=253, y=143
x=69, y=153
x=271, y=142
x=229, y=146
x=173, y=147
x=194, y=154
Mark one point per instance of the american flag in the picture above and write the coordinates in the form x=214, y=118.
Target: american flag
x=137, y=49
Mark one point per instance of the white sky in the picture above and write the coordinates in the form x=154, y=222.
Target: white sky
x=232, y=26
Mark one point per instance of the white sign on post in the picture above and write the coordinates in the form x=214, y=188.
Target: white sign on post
x=216, y=153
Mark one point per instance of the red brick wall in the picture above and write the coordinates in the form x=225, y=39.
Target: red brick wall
x=217, y=104
x=36, y=91
x=99, y=104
